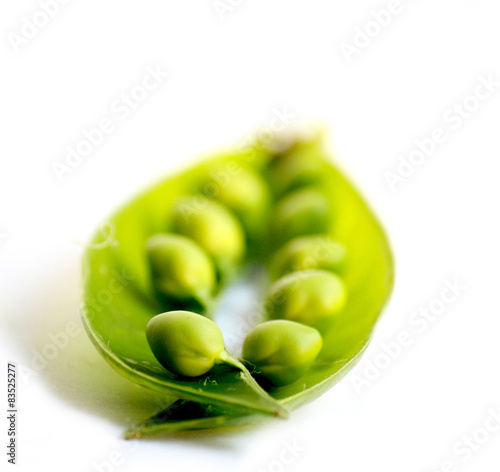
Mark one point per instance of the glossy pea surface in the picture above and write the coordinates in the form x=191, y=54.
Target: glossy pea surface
x=242, y=190
x=302, y=164
x=308, y=252
x=180, y=267
x=184, y=342
x=309, y=296
x=282, y=351
x=213, y=226
x=302, y=212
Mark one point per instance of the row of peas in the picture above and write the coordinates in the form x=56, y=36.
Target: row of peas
x=209, y=240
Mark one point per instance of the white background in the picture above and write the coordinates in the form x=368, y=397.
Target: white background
x=228, y=76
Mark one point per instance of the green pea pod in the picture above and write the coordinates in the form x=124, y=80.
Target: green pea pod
x=117, y=306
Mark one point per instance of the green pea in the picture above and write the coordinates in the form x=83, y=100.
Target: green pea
x=242, y=190
x=190, y=345
x=180, y=268
x=302, y=212
x=312, y=297
x=302, y=164
x=213, y=227
x=185, y=343
x=308, y=252
x=282, y=351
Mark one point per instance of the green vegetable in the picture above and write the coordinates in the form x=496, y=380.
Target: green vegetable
x=308, y=252
x=303, y=163
x=117, y=305
x=189, y=345
x=185, y=343
x=243, y=191
x=180, y=268
x=302, y=212
x=311, y=297
x=282, y=351
x=213, y=227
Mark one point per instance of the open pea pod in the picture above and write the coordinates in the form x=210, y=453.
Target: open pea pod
x=119, y=301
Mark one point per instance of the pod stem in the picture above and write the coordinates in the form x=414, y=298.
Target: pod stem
x=226, y=358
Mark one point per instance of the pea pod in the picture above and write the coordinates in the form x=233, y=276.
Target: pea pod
x=222, y=398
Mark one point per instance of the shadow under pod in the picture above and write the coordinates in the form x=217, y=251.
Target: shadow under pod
x=63, y=356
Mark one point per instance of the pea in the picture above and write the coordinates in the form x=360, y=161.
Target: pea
x=180, y=268
x=308, y=252
x=241, y=190
x=184, y=342
x=282, y=351
x=213, y=227
x=302, y=212
x=302, y=164
x=190, y=345
x=312, y=297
